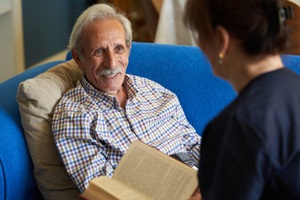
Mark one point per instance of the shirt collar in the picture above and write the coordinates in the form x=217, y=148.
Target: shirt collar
x=128, y=84
x=130, y=87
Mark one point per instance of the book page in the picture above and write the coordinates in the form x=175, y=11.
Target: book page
x=105, y=188
x=156, y=174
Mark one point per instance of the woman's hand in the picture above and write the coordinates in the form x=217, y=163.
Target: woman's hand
x=196, y=195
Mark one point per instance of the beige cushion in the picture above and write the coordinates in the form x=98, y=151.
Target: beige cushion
x=37, y=98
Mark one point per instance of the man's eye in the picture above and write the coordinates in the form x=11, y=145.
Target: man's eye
x=98, y=52
x=119, y=49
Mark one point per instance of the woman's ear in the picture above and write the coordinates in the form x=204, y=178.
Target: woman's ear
x=223, y=39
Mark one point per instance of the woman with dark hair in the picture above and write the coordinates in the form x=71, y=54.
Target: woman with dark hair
x=251, y=150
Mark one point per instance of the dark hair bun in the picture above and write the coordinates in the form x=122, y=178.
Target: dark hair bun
x=259, y=24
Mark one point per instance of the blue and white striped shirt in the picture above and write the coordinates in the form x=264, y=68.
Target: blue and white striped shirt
x=92, y=132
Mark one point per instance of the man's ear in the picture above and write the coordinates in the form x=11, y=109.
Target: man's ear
x=77, y=58
x=223, y=39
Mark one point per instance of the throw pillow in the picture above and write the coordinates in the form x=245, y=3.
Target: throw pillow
x=37, y=98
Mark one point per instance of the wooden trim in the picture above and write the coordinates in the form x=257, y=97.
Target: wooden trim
x=294, y=24
x=18, y=35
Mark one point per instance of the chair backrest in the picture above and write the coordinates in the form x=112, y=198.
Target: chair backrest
x=185, y=71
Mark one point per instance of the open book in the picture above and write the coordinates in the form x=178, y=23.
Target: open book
x=145, y=173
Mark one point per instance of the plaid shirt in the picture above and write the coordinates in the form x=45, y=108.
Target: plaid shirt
x=92, y=132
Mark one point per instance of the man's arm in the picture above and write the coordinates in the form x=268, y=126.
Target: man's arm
x=83, y=156
x=192, y=140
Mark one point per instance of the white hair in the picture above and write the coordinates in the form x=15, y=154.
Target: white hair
x=99, y=12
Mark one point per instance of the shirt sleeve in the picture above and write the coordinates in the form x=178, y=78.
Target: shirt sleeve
x=192, y=140
x=82, y=153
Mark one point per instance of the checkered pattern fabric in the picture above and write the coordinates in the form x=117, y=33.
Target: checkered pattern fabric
x=92, y=132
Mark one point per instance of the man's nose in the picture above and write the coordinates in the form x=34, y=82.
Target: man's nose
x=110, y=59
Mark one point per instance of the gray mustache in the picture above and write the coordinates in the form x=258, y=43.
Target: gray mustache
x=109, y=72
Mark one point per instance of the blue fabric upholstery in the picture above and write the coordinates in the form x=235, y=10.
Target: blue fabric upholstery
x=16, y=178
x=186, y=72
x=182, y=69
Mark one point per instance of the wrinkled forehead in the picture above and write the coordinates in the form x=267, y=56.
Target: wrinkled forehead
x=102, y=30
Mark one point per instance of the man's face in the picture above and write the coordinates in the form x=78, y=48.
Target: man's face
x=104, y=56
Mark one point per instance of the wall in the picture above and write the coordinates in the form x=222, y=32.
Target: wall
x=47, y=26
x=11, y=40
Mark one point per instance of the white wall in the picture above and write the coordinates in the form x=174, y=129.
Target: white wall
x=11, y=39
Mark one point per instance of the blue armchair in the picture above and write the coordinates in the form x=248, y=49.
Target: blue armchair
x=182, y=69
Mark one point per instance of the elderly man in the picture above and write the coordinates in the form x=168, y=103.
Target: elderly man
x=95, y=123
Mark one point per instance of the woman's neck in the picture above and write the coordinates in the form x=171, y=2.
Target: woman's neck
x=250, y=68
